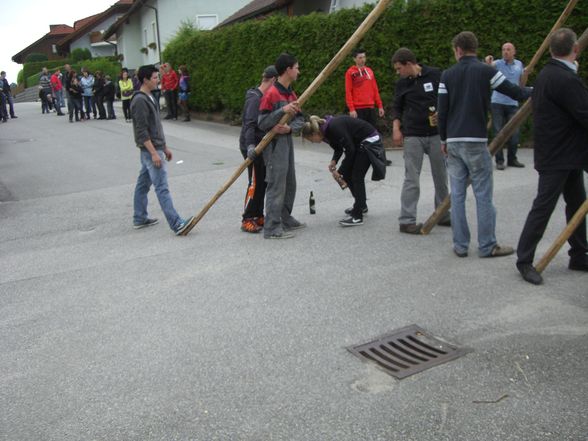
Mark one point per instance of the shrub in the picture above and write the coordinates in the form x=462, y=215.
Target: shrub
x=80, y=54
x=224, y=62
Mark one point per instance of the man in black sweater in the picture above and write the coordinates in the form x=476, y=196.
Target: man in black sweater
x=464, y=101
x=560, y=117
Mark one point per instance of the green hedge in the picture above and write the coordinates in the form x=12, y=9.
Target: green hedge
x=108, y=65
x=223, y=63
x=31, y=71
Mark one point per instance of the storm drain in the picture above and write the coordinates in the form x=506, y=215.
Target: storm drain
x=407, y=351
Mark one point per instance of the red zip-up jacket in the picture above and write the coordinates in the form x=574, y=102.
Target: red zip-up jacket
x=169, y=80
x=361, y=89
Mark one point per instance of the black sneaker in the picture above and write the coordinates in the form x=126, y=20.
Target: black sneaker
x=349, y=210
x=148, y=222
x=350, y=222
x=529, y=273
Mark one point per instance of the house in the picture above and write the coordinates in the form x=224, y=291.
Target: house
x=144, y=30
x=88, y=32
x=258, y=9
x=47, y=44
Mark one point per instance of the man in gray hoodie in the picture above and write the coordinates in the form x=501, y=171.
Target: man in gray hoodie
x=150, y=139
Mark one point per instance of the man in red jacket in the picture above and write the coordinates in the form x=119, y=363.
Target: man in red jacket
x=57, y=89
x=361, y=90
x=169, y=87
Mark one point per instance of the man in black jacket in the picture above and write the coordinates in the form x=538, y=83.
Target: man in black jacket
x=464, y=101
x=414, y=118
x=560, y=117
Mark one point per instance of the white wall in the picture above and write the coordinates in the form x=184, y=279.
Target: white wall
x=127, y=40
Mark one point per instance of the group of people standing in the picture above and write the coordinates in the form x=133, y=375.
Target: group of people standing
x=442, y=115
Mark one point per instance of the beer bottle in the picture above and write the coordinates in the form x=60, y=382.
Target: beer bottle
x=431, y=115
x=311, y=203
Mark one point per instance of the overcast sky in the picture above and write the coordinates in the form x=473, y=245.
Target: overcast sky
x=24, y=22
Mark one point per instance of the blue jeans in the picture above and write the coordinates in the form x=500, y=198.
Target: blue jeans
x=471, y=160
x=148, y=175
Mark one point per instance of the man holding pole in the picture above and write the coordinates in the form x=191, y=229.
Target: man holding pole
x=464, y=92
x=279, y=155
x=414, y=118
x=560, y=117
x=503, y=107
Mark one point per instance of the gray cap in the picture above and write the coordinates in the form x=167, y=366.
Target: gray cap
x=270, y=72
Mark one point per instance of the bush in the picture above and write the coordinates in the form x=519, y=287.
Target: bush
x=20, y=77
x=80, y=54
x=32, y=70
x=31, y=58
x=105, y=65
x=224, y=62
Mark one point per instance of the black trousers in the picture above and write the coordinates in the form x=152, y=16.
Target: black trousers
x=255, y=195
x=552, y=183
x=368, y=115
x=355, y=178
x=171, y=100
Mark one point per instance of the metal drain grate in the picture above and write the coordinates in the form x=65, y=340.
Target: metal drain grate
x=407, y=351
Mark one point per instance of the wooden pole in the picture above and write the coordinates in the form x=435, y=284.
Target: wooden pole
x=317, y=82
x=563, y=237
x=560, y=21
x=514, y=123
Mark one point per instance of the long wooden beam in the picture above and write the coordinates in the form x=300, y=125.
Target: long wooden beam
x=317, y=82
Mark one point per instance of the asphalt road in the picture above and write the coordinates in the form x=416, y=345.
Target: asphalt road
x=111, y=333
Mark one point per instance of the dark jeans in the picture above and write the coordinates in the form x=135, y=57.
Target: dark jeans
x=126, y=105
x=171, y=100
x=255, y=188
x=90, y=105
x=501, y=114
x=355, y=178
x=552, y=183
x=110, y=109
x=100, y=105
x=368, y=115
x=75, y=106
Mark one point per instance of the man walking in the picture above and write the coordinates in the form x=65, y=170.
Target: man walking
x=150, y=139
x=560, y=117
x=503, y=107
x=464, y=92
x=414, y=118
x=279, y=155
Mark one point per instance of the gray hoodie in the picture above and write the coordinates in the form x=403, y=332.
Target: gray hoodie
x=146, y=121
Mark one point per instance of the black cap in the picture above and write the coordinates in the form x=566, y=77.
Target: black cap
x=270, y=72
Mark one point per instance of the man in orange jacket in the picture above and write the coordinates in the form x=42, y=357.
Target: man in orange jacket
x=361, y=90
x=169, y=87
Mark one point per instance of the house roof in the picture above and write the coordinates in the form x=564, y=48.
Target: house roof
x=55, y=31
x=136, y=4
x=84, y=25
x=253, y=9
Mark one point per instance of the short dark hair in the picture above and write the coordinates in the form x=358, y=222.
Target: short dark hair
x=146, y=72
x=285, y=61
x=358, y=51
x=466, y=41
x=2, y=73
x=403, y=56
x=562, y=42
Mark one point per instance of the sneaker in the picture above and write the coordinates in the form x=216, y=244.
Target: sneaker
x=259, y=221
x=349, y=210
x=350, y=222
x=148, y=222
x=411, y=228
x=500, y=166
x=282, y=235
x=250, y=226
x=460, y=253
x=294, y=226
x=530, y=274
x=579, y=264
x=184, y=226
x=500, y=251
x=515, y=163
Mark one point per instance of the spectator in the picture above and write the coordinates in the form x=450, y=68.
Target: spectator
x=125, y=85
x=75, y=95
x=169, y=87
x=8, y=94
x=45, y=85
x=87, y=84
x=57, y=91
x=109, y=91
x=184, y=91
x=98, y=90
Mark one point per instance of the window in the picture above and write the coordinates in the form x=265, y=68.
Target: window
x=54, y=48
x=153, y=32
x=205, y=22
